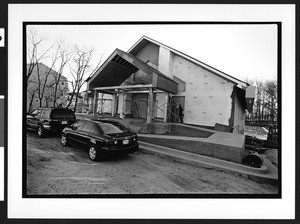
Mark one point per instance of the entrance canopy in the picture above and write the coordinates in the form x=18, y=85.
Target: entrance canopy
x=120, y=66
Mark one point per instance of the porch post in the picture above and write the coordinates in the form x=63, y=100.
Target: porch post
x=150, y=106
x=95, y=102
x=113, y=105
x=121, y=105
x=166, y=107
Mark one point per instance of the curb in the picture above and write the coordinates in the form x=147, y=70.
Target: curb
x=267, y=173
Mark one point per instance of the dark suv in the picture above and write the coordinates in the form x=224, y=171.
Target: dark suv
x=50, y=119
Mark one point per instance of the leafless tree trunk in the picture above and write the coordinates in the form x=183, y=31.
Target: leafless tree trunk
x=271, y=99
x=65, y=57
x=43, y=78
x=265, y=106
x=33, y=43
x=82, y=70
x=32, y=94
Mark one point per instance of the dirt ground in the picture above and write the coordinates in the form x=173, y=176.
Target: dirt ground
x=53, y=169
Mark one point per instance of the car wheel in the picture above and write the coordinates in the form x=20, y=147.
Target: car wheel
x=40, y=131
x=94, y=153
x=64, y=140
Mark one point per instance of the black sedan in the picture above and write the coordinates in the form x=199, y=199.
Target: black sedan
x=100, y=137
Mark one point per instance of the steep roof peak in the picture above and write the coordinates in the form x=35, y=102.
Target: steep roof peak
x=144, y=40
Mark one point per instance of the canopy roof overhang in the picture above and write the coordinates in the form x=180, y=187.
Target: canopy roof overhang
x=120, y=66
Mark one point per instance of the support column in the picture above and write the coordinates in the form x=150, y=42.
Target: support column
x=90, y=106
x=101, y=104
x=166, y=107
x=113, y=105
x=95, y=103
x=154, y=109
x=121, y=105
x=150, y=106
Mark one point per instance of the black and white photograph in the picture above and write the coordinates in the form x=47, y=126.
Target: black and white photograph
x=136, y=109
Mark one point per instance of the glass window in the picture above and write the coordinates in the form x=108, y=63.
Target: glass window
x=109, y=128
x=78, y=124
x=46, y=113
x=36, y=112
x=62, y=113
x=95, y=130
x=87, y=127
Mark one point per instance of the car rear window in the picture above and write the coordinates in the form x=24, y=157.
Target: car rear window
x=109, y=128
x=58, y=114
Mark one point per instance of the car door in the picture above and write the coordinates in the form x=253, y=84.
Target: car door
x=73, y=133
x=85, y=133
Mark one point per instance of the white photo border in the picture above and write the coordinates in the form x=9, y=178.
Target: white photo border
x=137, y=208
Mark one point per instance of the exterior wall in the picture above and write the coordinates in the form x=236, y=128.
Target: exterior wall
x=161, y=105
x=141, y=100
x=239, y=117
x=209, y=99
x=207, y=96
x=148, y=54
x=166, y=62
x=124, y=103
x=47, y=100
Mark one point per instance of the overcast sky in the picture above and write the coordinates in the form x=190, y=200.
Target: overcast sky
x=242, y=51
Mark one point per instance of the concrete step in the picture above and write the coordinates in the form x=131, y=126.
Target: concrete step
x=267, y=173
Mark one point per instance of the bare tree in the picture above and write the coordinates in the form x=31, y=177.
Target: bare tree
x=65, y=57
x=31, y=92
x=271, y=99
x=265, y=105
x=43, y=83
x=82, y=70
x=34, y=42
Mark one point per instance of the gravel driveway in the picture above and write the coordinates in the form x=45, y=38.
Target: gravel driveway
x=56, y=170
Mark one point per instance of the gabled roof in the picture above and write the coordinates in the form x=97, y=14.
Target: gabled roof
x=144, y=40
x=120, y=65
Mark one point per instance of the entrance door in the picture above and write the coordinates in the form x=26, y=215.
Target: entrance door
x=174, y=104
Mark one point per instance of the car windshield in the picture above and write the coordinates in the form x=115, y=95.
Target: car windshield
x=36, y=112
x=109, y=128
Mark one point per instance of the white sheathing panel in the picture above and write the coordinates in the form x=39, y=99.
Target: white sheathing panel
x=149, y=53
x=166, y=62
x=128, y=99
x=141, y=100
x=161, y=103
x=207, y=97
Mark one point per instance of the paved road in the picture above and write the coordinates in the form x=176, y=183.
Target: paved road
x=53, y=169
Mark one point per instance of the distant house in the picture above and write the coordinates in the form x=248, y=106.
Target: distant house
x=152, y=81
x=41, y=88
